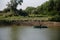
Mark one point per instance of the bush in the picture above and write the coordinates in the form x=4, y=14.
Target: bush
x=6, y=10
x=23, y=13
x=56, y=18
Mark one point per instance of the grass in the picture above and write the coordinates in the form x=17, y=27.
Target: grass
x=33, y=17
x=24, y=18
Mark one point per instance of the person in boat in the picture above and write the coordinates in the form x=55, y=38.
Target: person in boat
x=41, y=26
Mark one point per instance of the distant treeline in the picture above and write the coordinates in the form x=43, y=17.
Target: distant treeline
x=50, y=8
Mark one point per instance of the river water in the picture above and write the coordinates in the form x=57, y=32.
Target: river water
x=29, y=33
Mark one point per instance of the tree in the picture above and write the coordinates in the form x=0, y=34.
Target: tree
x=13, y=5
x=23, y=13
x=29, y=9
x=43, y=9
x=35, y=11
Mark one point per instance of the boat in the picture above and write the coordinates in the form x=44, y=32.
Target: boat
x=40, y=26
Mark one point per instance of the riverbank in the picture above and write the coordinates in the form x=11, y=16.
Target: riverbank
x=29, y=23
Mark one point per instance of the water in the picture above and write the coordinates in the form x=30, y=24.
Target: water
x=29, y=33
x=5, y=33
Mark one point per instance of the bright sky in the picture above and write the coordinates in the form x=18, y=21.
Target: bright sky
x=26, y=3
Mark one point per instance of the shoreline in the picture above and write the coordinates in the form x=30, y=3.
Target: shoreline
x=29, y=23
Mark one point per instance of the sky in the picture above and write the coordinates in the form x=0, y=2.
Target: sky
x=25, y=4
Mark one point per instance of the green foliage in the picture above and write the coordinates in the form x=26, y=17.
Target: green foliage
x=34, y=12
x=48, y=9
x=55, y=18
x=29, y=9
x=6, y=10
x=22, y=13
x=1, y=11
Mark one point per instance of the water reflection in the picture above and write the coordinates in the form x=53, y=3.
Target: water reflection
x=5, y=33
x=38, y=34
x=29, y=33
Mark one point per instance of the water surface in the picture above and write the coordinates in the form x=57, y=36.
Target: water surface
x=29, y=33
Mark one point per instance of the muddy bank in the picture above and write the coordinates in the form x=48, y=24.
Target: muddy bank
x=29, y=23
